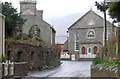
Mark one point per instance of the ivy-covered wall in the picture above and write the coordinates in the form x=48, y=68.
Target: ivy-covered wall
x=38, y=55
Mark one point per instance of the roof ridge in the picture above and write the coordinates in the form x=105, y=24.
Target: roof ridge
x=85, y=15
x=80, y=18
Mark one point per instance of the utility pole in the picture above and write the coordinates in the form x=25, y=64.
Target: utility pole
x=105, y=38
x=103, y=7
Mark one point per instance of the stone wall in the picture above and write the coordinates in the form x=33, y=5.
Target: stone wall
x=97, y=71
x=14, y=70
x=20, y=69
x=37, y=57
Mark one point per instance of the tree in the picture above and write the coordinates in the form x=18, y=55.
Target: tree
x=11, y=16
x=114, y=10
x=112, y=47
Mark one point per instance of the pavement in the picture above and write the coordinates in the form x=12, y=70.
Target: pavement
x=68, y=69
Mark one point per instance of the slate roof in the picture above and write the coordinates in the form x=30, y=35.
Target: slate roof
x=98, y=14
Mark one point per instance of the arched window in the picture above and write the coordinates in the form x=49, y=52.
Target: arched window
x=76, y=41
x=91, y=34
x=34, y=31
x=89, y=50
x=83, y=50
x=95, y=50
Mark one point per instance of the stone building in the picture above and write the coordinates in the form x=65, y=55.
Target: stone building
x=36, y=54
x=86, y=36
x=30, y=49
x=35, y=17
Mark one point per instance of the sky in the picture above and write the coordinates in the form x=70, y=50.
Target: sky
x=61, y=13
x=59, y=8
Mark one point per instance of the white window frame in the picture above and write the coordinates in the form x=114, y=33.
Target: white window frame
x=90, y=31
x=76, y=41
x=91, y=50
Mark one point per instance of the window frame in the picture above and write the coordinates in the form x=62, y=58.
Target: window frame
x=89, y=50
x=90, y=36
x=76, y=45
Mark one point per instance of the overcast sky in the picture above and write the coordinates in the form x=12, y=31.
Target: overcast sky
x=61, y=13
x=60, y=8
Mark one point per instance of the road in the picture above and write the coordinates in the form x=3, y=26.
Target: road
x=67, y=69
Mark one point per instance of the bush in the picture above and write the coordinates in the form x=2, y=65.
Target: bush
x=97, y=60
x=106, y=64
x=2, y=59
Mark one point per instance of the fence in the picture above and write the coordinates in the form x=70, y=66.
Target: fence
x=81, y=56
x=14, y=69
x=87, y=55
x=97, y=71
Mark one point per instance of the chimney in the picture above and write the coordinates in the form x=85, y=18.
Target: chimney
x=28, y=5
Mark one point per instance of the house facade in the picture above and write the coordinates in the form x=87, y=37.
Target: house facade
x=86, y=36
x=34, y=17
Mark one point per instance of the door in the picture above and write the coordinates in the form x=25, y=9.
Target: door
x=95, y=50
x=83, y=50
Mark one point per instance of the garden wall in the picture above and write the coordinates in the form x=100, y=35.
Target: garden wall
x=98, y=71
x=20, y=69
x=37, y=57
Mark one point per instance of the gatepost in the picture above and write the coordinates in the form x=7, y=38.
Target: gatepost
x=8, y=69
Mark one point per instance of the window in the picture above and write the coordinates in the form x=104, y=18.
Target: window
x=32, y=55
x=76, y=41
x=89, y=50
x=91, y=34
x=34, y=31
x=19, y=56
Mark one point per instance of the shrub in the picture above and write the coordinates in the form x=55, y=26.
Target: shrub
x=97, y=60
x=106, y=64
x=2, y=59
